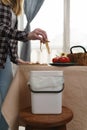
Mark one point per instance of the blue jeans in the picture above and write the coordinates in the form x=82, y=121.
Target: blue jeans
x=5, y=81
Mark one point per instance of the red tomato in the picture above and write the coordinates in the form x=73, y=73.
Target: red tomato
x=63, y=59
x=55, y=59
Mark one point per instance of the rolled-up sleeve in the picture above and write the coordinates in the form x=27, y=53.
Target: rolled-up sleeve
x=11, y=33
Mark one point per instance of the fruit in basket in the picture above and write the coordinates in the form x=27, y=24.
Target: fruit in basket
x=61, y=59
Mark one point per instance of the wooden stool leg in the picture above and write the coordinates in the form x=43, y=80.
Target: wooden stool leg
x=54, y=128
x=63, y=127
x=27, y=128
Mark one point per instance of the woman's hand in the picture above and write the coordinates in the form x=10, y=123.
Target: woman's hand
x=22, y=62
x=38, y=34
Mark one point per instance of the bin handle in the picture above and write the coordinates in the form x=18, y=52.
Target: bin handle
x=47, y=91
x=76, y=47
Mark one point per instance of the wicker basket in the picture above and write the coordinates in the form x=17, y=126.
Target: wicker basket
x=79, y=58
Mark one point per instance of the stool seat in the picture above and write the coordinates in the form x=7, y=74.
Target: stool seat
x=45, y=121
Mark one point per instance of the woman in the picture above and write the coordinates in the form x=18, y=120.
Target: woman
x=9, y=35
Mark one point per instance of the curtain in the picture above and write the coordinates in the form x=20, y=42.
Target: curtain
x=31, y=8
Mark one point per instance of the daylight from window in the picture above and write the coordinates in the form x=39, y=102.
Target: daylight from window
x=49, y=18
x=78, y=22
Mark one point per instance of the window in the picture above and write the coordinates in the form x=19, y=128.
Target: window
x=78, y=22
x=49, y=18
x=65, y=22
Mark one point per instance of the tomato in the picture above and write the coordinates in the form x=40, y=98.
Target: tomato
x=55, y=59
x=62, y=59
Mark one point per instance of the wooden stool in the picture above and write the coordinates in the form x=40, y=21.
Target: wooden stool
x=45, y=121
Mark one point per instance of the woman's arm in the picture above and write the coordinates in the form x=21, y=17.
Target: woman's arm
x=5, y=25
x=10, y=33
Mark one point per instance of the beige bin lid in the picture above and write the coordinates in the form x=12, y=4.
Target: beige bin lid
x=46, y=81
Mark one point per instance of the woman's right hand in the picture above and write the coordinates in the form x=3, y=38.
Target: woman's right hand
x=38, y=34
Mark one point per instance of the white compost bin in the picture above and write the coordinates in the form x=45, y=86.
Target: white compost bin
x=46, y=91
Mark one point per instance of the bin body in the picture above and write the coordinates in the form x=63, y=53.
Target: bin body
x=46, y=92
